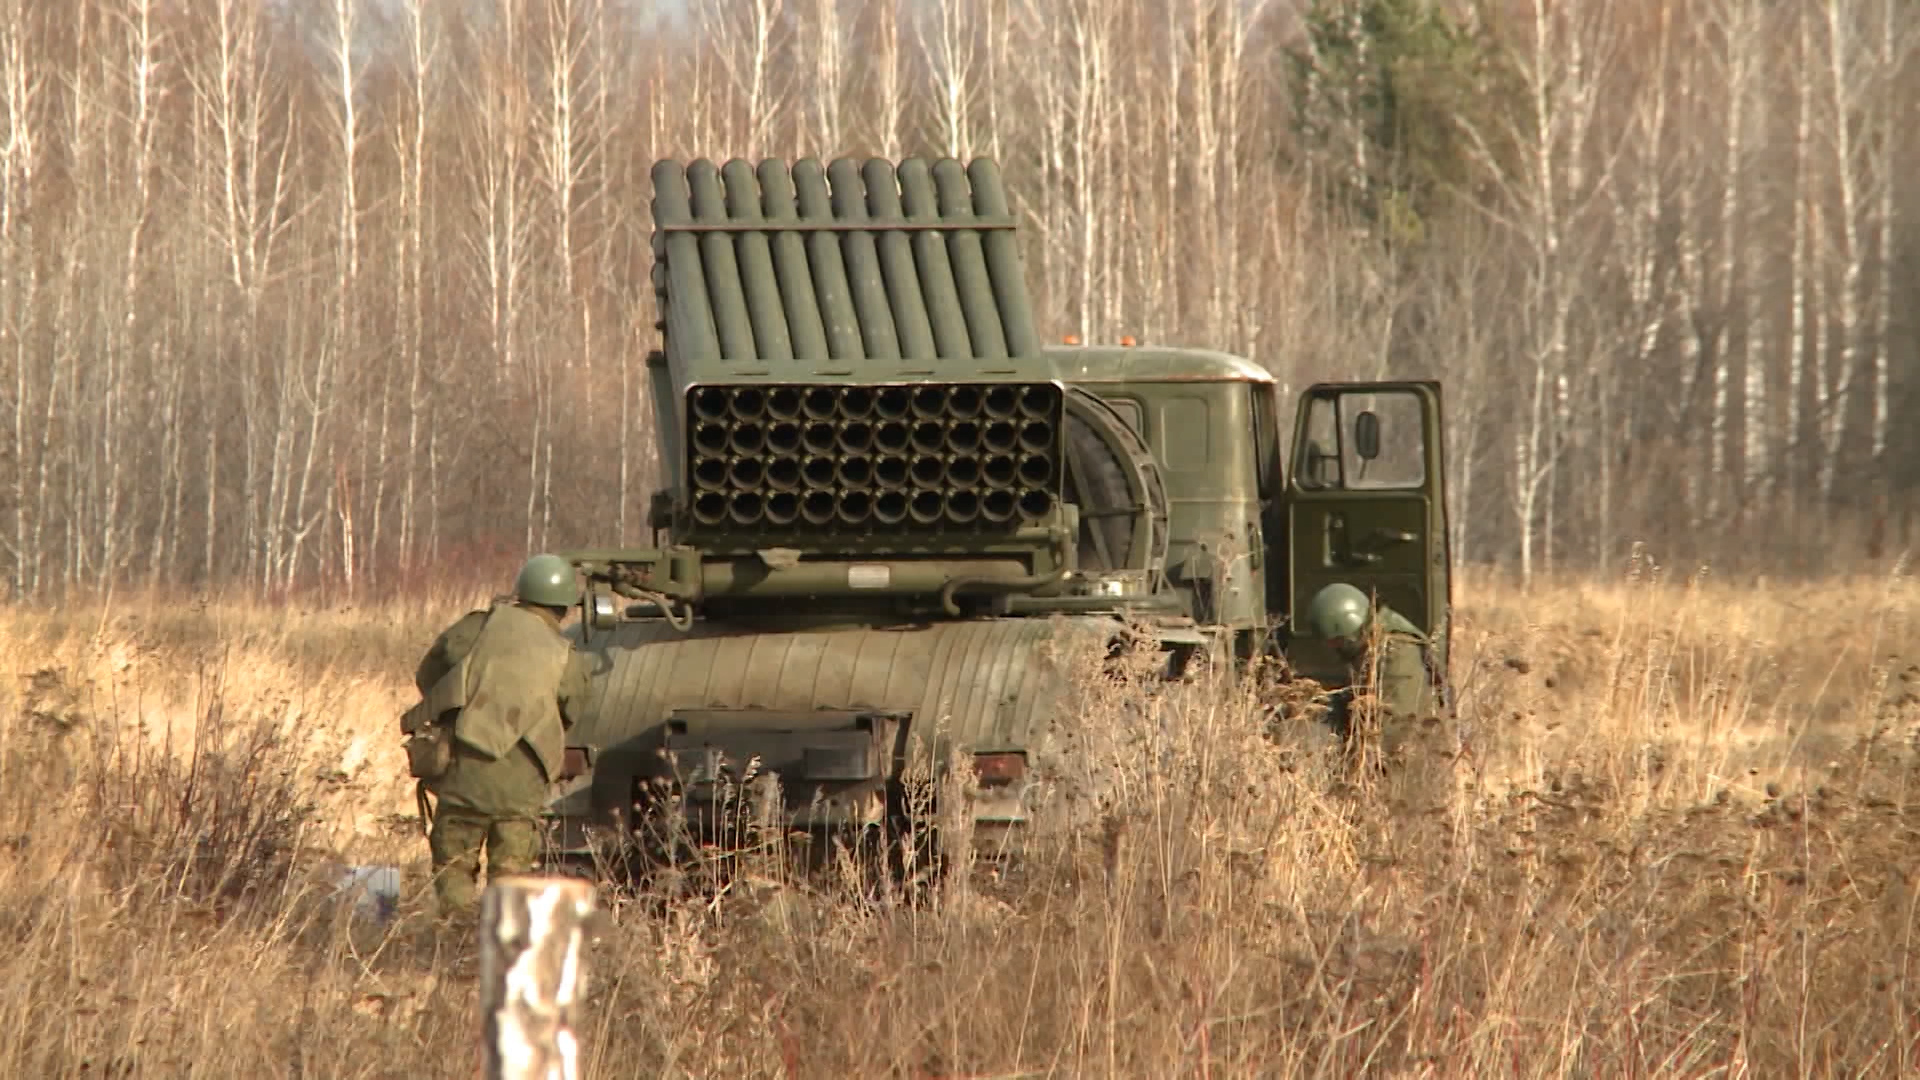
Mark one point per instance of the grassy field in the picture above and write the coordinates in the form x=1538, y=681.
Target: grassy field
x=1682, y=841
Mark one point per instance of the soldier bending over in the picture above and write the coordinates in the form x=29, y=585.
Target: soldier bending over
x=489, y=734
x=1384, y=652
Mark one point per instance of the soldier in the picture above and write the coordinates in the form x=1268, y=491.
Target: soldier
x=488, y=736
x=1399, y=673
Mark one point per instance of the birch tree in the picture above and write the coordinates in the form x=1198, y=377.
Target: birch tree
x=1846, y=70
x=1561, y=64
x=31, y=398
x=409, y=134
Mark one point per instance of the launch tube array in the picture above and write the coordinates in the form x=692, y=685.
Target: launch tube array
x=849, y=261
x=928, y=455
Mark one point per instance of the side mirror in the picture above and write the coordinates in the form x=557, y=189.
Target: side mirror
x=1366, y=436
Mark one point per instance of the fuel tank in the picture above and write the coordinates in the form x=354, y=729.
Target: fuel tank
x=838, y=712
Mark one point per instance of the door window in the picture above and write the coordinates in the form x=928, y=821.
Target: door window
x=1363, y=440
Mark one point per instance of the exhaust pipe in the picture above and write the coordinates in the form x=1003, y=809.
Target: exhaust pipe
x=999, y=505
x=1034, y=504
x=926, y=507
x=890, y=508
x=816, y=507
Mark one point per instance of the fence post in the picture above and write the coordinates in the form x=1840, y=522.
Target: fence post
x=531, y=980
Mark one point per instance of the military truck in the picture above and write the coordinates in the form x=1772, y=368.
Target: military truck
x=884, y=496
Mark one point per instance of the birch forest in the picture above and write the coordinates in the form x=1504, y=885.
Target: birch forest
x=350, y=294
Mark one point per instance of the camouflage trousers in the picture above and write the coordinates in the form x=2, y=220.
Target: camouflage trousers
x=459, y=835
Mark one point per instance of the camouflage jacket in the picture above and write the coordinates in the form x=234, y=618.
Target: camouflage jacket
x=516, y=676
x=1405, y=683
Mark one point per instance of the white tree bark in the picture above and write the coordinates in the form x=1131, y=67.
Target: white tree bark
x=533, y=933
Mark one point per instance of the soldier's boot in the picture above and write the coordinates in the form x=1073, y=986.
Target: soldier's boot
x=455, y=844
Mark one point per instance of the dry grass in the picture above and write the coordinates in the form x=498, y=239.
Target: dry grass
x=1682, y=843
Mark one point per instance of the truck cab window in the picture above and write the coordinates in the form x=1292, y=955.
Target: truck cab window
x=1319, y=466
x=1399, y=457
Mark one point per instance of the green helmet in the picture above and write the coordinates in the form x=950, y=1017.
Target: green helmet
x=547, y=580
x=1339, y=611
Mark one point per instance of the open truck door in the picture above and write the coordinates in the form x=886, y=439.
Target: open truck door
x=1366, y=505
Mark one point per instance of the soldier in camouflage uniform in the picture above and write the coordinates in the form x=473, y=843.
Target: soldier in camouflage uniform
x=489, y=735
x=1385, y=653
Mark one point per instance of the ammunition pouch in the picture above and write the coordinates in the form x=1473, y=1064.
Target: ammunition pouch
x=428, y=725
x=429, y=744
x=430, y=753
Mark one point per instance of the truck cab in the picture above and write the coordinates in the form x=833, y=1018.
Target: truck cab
x=1249, y=543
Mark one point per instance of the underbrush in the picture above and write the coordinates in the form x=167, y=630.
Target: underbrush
x=1624, y=861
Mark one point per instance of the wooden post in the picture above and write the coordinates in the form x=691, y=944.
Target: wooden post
x=531, y=937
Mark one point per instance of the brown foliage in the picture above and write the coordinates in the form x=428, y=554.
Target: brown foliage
x=1682, y=839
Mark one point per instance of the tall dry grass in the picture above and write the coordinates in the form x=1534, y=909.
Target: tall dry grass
x=1680, y=840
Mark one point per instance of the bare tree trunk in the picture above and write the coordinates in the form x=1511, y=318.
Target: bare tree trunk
x=1803, y=200
x=20, y=156
x=950, y=54
x=1564, y=71
x=411, y=146
x=891, y=107
x=568, y=151
x=1088, y=28
x=1893, y=50
x=828, y=55
x=1845, y=87
x=347, y=120
x=1736, y=45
